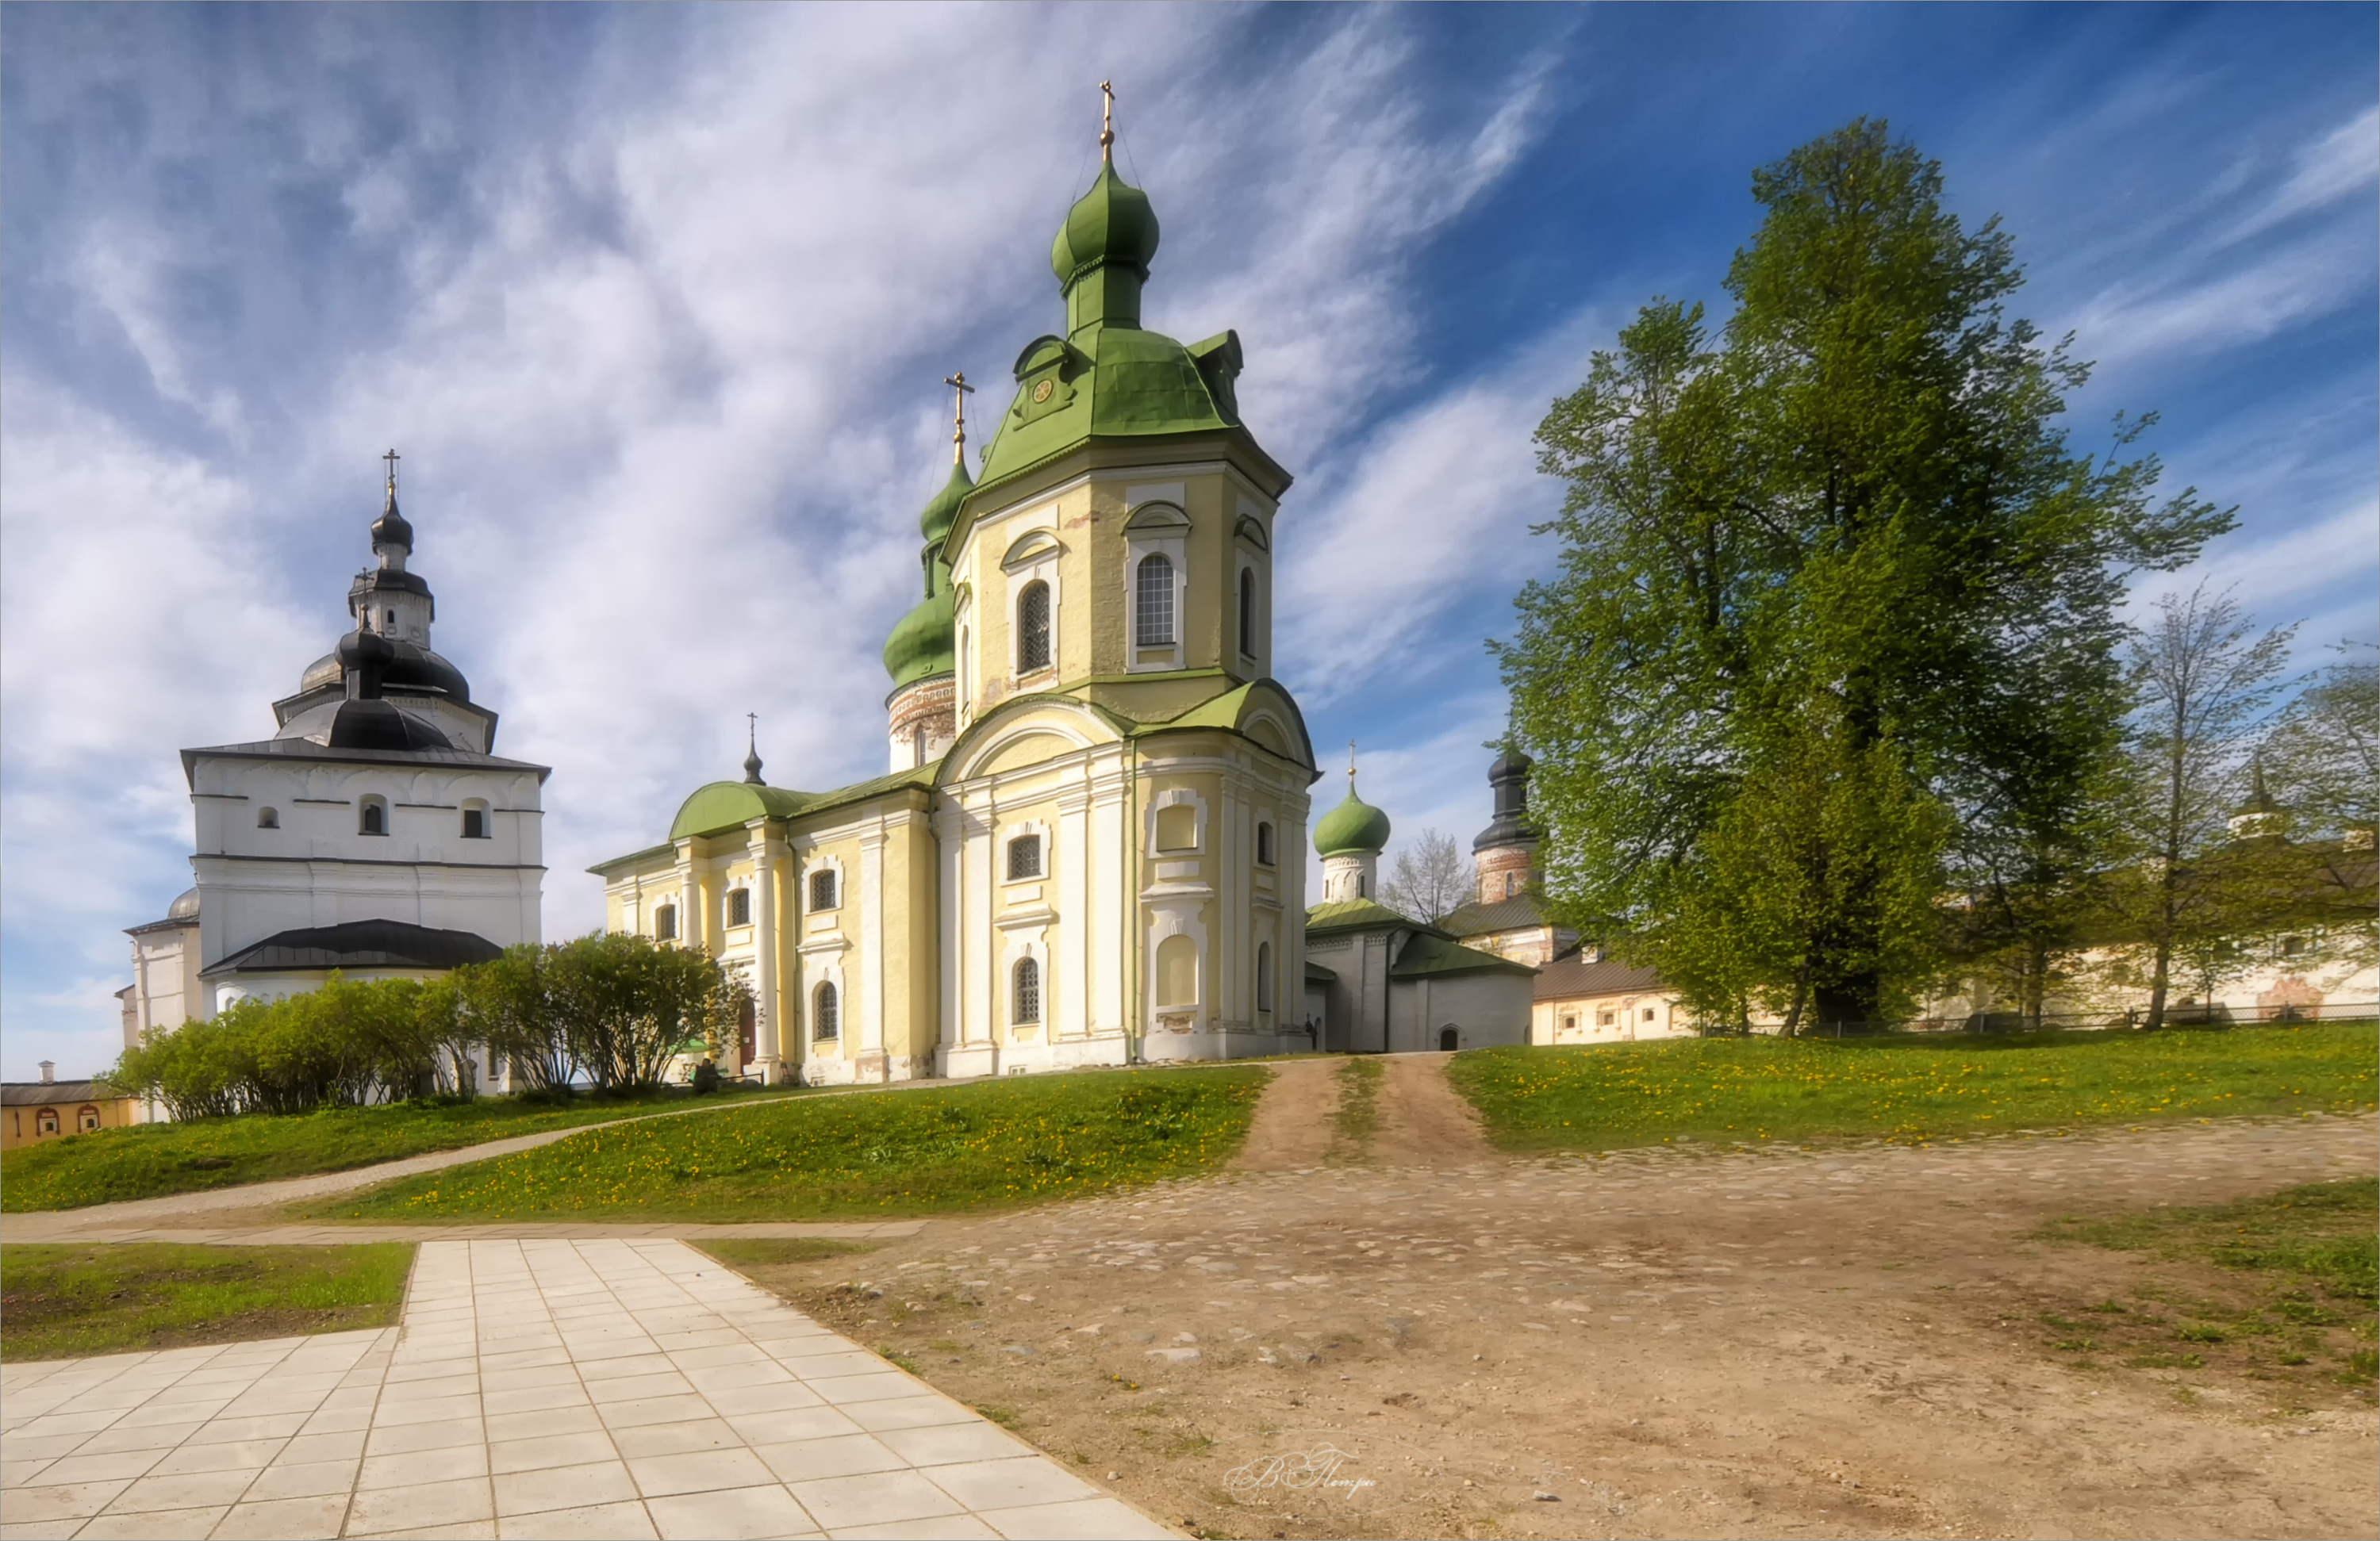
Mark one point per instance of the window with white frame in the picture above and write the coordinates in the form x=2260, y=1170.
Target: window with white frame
x=1247, y=612
x=826, y=1012
x=1152, y=606
x=1024, y=857
x=474, y=820
x=1033, y=627
x=1027, y=1007
x=665, y=923
x=371, y=818
x=1264, y=845
x=739, y=906
x=268, y=818
x=822, y=889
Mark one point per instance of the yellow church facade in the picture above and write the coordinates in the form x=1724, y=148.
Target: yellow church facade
x=1089, y=847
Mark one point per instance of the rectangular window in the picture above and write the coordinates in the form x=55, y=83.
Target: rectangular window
x=1024, y=857
x=475, y=824
x=1603, y=1019
x=739, y=906
x=665, y=923
x=1153, y=601
x=822, y=889
x=1177, y=828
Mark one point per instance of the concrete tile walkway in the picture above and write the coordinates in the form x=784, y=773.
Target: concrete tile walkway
x=538, y=1388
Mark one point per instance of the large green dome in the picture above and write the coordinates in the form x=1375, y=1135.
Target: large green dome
x=1112, y=223
x=943, y=511
x=922, y=646
x=1354, y=827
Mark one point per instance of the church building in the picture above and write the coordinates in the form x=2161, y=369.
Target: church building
x=1088, y=846
x=374, y=833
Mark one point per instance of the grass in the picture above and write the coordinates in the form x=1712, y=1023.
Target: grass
x=57, y=1301
x=2294, y=1290
x=1357, y=1117
x=987, y=1146
x=151, y=1160
x=1908, y=1088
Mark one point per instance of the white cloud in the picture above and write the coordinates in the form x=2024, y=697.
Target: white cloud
x=2338, y=165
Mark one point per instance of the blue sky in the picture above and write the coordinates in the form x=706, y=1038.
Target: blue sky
x=656, y=302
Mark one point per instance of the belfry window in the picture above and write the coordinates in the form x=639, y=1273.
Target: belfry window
x=1027, y=1006
x=1024, y=858
x=826, y=1014
x=475, y=820
x=1264, y=976
x=1153, y=601
x=739, y=906
x=822, y=889
x=268, y=818
x=1033, y=628
x=1248, y=614
x=665, y=923
x=373, y=817
x=1264, y=845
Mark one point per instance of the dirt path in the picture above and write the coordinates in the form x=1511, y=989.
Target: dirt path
x=1847, y=1342
x=1292, y=1130
x=1424, y=1122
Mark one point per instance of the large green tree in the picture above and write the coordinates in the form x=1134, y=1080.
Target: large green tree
x=1844, y=540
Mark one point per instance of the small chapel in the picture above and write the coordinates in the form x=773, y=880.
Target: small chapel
x=1087, y=847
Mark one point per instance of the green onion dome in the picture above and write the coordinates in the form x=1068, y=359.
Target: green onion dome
x=1112, y=223
x=1354, y=826
x=941, y=514
x=922, y=644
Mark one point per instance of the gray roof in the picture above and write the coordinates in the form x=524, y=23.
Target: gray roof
x=1516, y=913
x=1571, y=976
x=305, y=749
x=35, y=1094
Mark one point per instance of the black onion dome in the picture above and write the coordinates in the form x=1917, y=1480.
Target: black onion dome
x=415, y=671
x=377, y=724
x=391, y=529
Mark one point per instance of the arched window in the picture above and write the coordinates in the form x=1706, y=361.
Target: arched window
x=1247, y=612
x=1028, y=992
x=826, y=1014
x=1508, y=885
x=268, y=818
x=87, y=1120
x=1264, y=845
x=474, y=820
x=45, y=1122
x=1033, y=627
x=822, y=889
x=372, y=819
x=1264, y=976
x=665, y=923
x=1024, y=857
x=739, y=906
x=1153, y=601
x=1177, y=972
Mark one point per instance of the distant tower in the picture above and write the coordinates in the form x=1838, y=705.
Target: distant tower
x=1351, y=838
x=922, y=713
x=1506, y=851
x=2261, y=816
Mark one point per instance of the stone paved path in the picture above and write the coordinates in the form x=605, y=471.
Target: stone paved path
x=24, y=1229
x=534, y=1388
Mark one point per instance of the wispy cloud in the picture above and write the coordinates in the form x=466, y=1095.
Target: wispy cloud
x=2340, y=165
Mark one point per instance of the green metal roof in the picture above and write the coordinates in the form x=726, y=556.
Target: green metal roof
x=731, y=806
x=1429, y=952
x=1354, y=915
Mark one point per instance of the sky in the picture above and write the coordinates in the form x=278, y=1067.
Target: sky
x=656, y=302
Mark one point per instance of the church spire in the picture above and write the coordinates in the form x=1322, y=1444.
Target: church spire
x=752, y=749
x=392, y=538
x=960, y=390
x=1102, y=251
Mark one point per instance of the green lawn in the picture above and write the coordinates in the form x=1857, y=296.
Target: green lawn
x=1908, y=1087
x=976, y=1147
x=60, y=1301
x=149, y=1160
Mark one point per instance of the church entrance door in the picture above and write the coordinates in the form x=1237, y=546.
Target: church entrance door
x=1448, y=1037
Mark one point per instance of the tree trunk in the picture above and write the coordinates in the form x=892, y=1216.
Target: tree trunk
x=1850, y=1003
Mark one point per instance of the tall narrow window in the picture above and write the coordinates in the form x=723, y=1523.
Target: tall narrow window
x=739, y=906
x=1024, y=857
x=1028, y=992
x=1033, y=628
x=1153, y=601
x=374, y=818
x=1264, y=976
x=826, y=1014
x=665, y=923
x=475, y=822
x=1248, y=614
x=1264, y=845
x=822, y=889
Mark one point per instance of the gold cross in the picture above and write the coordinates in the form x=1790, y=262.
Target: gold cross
x=391, y=457
x=1107, y=121
x=1351, y=761
x=960, y=390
